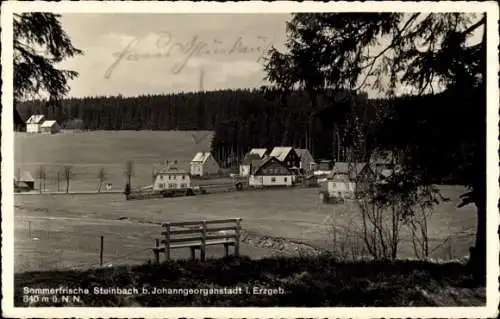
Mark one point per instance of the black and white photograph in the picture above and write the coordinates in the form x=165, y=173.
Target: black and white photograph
x=253, y=159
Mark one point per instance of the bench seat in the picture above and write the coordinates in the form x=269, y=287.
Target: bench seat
x=197, y=244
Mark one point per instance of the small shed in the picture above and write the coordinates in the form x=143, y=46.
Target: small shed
x=204, y=164
x=350, y=180
x=50, y=127
x=27, y=179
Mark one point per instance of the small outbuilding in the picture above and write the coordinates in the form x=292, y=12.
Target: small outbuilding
x=50, y=127
x=34, y=123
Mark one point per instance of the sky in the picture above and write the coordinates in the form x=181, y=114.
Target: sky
x=134, y=54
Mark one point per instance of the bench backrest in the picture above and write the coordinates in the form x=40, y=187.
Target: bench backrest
x=202, y=231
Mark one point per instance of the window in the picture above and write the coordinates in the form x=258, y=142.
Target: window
x=285, y=179
x=173, y=177
x=183, y=177
x=168, y=177
x=161, y=177
x=161, y=185
x=183, y=185
x=172, y=186
x=273, y=179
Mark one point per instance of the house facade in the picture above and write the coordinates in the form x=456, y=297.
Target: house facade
x=203, y=164
x=172, y=178
x=246, y=163
x=286, y=155
x=34, y=123
x=307, y=162
x=50, y=127
x=350, y=180
x=270, y=172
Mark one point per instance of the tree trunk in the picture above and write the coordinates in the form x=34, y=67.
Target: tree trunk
x=477, y=261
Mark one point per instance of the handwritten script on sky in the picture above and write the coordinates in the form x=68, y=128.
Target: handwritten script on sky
x=181, y=52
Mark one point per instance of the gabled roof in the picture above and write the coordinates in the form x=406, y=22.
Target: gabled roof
x=259, y=151
x=35, y=119
x=304, y=155
x=26, y=177
x=48, y=123
x=257, y=165
x=172, y=170
x=350, y=170
x=247, y=160
x=281, y=152
x=201, y=157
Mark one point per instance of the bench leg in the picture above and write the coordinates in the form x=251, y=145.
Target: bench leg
x=193, y=253
x=226, y=249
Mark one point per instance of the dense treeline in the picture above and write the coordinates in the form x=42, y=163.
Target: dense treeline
x=242, y=119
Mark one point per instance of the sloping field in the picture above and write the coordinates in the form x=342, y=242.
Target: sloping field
x=72, y=225
x=87, y=152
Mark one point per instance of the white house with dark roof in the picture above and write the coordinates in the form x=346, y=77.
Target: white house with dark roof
x=34, y=123
x=270, y=172
x=50, y=127
x=171, y=178
x=203, y=164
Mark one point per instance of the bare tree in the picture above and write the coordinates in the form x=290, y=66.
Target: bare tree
x=68, y=173
x=101, y=174
x=42, y=175
x=129, y=172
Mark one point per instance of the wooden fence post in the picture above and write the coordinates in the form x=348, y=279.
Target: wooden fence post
x=203, y=241
x=167, y=241
x=102, y=248
x=237, y=244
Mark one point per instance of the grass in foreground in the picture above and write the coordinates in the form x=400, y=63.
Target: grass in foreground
x=311, y=282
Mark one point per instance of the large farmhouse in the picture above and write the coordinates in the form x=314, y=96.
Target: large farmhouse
x=34, y=123
x=270, y=172
x=171, y=178
x=204, y=164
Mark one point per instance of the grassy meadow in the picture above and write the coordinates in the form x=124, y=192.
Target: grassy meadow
x=61, y=231
x=87, y=152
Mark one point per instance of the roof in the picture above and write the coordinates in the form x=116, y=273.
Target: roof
x=26, y=177
x=259, y=151
x=201, y=157
x=48, y=123
x=247, y=160
x=281, y=152
x=304, y=154
x=172, y=170
x=21, y=185
x=257, y=165
x=347, y=169
x=35, y=119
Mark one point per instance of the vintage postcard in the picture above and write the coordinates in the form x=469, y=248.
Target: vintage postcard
x=256, y=159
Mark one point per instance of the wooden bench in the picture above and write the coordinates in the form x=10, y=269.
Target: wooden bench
x=197, y=235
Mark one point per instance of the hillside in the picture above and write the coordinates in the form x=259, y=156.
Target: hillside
x=277, y=281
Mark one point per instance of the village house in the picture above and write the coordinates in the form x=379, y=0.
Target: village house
x=287, y=156
x=350, y=180
x=270, y=172
x=34, y=123
x=246, y=163
x=25, y=180
x=307, y=162
x=204, y=164
x=381, y=160
x=171, y=178
x=50, y=127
